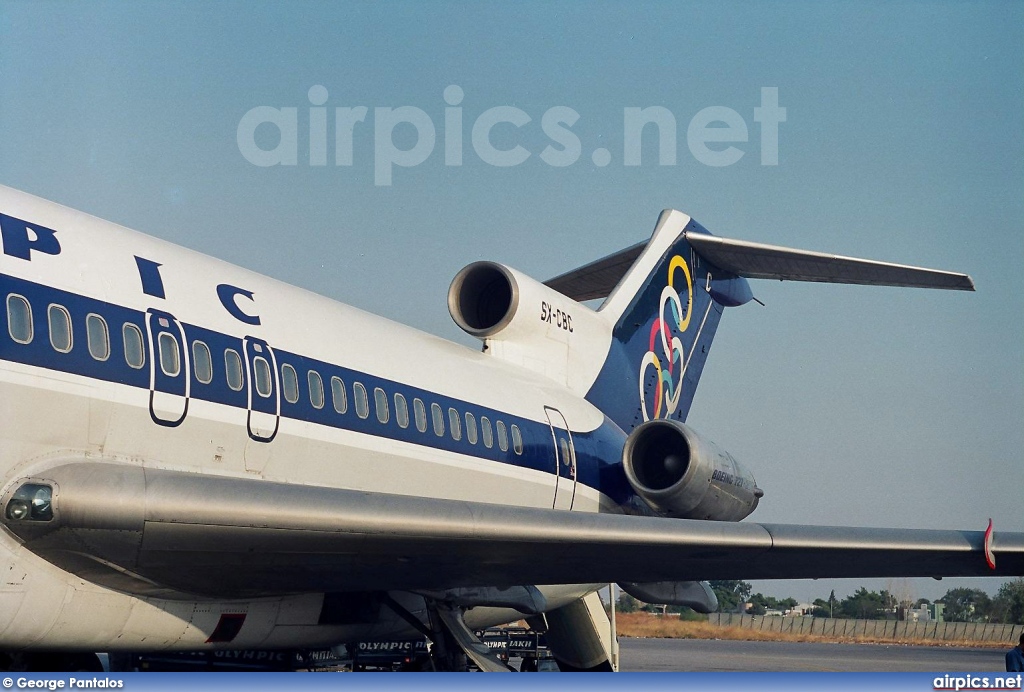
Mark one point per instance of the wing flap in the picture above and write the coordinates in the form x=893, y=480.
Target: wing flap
x=238, y=537
x=759, y=261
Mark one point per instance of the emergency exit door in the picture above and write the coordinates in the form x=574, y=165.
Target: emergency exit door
x=264, y=400
x=169, y=368
x=565, y=460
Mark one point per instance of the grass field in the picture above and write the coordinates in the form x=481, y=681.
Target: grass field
x=648, y=625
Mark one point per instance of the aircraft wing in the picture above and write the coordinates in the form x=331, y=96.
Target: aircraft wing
x=159, y=532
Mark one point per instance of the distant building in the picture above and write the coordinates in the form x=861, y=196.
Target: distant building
x=919, y=614
x=800, y=610
x=936, y=610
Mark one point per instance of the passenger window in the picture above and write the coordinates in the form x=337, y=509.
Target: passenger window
x=401, y=411
x=201, y=363
x=362, y=405
x=316, y=389
x=566, y=455
x=99, y=339
x=233, y=369
x=470, y=428
x=485, y=432
x=261, y=375
x=339, y=395
x=420, y=412
x=134, y=355
x=289, y=383
x=380, y=399
x=517, y=440
x=454, y=423
x=170, y=359
x=502, y=436
x=438, y=416
x=60, y=328
x=19, y=319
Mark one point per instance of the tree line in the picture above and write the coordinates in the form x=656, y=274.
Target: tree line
x=959, y=604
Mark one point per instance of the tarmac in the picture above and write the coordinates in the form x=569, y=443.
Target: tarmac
x=710, y=655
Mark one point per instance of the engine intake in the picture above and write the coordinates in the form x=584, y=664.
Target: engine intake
x=483, y=298
x=680, y=474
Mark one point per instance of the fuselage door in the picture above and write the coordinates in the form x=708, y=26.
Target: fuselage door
x=264, y=400
x=565, y=459
x=169, y=368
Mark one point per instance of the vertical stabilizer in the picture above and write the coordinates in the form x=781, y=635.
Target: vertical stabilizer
x=665, y=310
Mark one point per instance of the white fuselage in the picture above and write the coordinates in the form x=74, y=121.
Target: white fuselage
x=89, y=398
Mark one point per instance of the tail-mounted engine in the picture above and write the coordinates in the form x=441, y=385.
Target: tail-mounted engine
x=680, y=474
x=523, y=321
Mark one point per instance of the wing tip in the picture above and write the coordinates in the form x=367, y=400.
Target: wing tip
x=990, y=557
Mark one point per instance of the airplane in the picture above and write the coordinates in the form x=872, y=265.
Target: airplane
x=199, y=457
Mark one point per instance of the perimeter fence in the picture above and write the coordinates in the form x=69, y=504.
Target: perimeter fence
x=880, y=629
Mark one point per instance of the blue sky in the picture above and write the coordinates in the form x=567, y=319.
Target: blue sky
x=903, y=141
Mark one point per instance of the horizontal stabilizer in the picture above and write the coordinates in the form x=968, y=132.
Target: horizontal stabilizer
x=759, y=261
x=597, y=279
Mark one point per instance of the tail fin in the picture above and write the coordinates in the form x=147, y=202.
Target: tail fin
x=665, y=311
x=666, y=306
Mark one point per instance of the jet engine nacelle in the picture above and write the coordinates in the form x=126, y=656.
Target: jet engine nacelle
x=680, y=474
x=523, y=321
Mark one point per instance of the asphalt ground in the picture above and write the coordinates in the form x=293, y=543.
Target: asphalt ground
x=708, y=655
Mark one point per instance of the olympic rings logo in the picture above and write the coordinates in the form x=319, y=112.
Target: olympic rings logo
x=672, y=320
